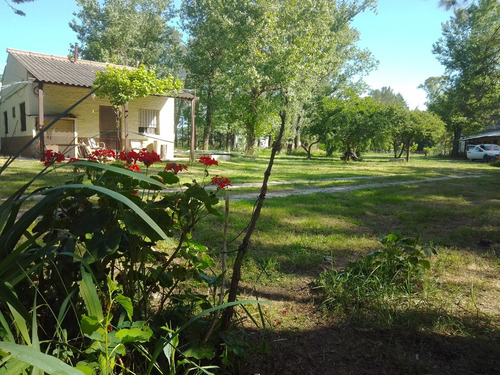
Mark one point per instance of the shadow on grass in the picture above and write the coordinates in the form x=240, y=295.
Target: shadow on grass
x=358, y=349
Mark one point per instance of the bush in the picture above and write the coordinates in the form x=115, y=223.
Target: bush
x=109, y=257
x=385, y=274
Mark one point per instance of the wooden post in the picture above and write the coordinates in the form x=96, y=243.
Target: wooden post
x=41, y=117
x=193, y=131
x=125, y=123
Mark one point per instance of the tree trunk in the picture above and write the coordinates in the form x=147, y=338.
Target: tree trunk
x=208, y=117
x=250, y=126
x=457, y=133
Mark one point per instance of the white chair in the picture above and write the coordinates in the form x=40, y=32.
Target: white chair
x=94, y=145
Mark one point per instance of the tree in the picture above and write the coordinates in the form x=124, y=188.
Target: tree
x=15, y=10
x=209, y=26
x=388, y=96
x=295, y=51
x=470, y=51
x=419, y=126
x=351, y=124
x=126, y=32
x=451, y=4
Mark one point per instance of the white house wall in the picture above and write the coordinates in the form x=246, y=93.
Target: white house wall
x=16, y=90
x=163, y=142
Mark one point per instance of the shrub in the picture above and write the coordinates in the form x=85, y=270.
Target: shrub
x=90, y=251
x=393, y=271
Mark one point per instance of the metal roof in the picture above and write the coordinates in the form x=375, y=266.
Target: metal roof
x=483, y=135
x=66, y=71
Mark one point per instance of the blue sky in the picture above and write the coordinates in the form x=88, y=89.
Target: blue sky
x=400, y=36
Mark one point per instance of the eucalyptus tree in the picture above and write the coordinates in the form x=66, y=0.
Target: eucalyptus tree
x=127, y=32
x=469, y=49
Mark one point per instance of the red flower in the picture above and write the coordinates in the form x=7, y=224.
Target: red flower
x=49, y=157
x=148, y=157
x=134, y=168
x=102, y=155
x=221, y=182
x=73, y=160
x=129, y=157
x=175, y=168
x=208, y=161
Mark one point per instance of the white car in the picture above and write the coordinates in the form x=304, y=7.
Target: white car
x=485, y=152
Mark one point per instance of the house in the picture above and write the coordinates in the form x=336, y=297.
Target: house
x=38, y=89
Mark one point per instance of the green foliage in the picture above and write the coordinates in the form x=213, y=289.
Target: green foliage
x=467, y=97
x=113, y=235
x=379, y=277
x=351, y=124
x=126, y=32
x=122, y=84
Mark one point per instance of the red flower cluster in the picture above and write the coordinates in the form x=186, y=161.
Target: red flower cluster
x=132, y=157
x=134, y=167
x=149, y=157
x=175, y=168
x=102, y=155
x=50, y=156
x=129, y=157
x=208, y=161
x=221, y=182
x=71, y=160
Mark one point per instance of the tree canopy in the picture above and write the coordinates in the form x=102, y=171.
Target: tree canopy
x=468, y=96
x=126, y=32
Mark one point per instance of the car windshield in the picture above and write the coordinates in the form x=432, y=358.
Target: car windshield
x=490, y=147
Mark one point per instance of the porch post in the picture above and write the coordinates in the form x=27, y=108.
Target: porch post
x=193, y=131
x=41, y=117
x=125, y=125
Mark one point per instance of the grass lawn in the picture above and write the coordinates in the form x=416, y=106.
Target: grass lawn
x=454, y=328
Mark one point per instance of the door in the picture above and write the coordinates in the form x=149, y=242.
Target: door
x=108, y=131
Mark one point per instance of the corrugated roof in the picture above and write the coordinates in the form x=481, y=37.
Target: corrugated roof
x=58, y=70
x=483, y=135
x=64, y=70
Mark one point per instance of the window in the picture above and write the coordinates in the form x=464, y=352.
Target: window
x=6, y=122
x=22, y=113
x=148, y=120
x=13, y=112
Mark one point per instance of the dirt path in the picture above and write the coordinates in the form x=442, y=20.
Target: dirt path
x=335, y=189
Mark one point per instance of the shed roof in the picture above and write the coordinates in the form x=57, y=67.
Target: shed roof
x=483, y=135
x=64, y=70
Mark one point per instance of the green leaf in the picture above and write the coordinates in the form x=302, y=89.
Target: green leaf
x=13, y=367
x=46, y=363
x=425, y=263
x=200, y=352
x=168, y=177
x=126, y=303
x=134, y=334
x=87, y=370
x=89, y=295
x=89, y=324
